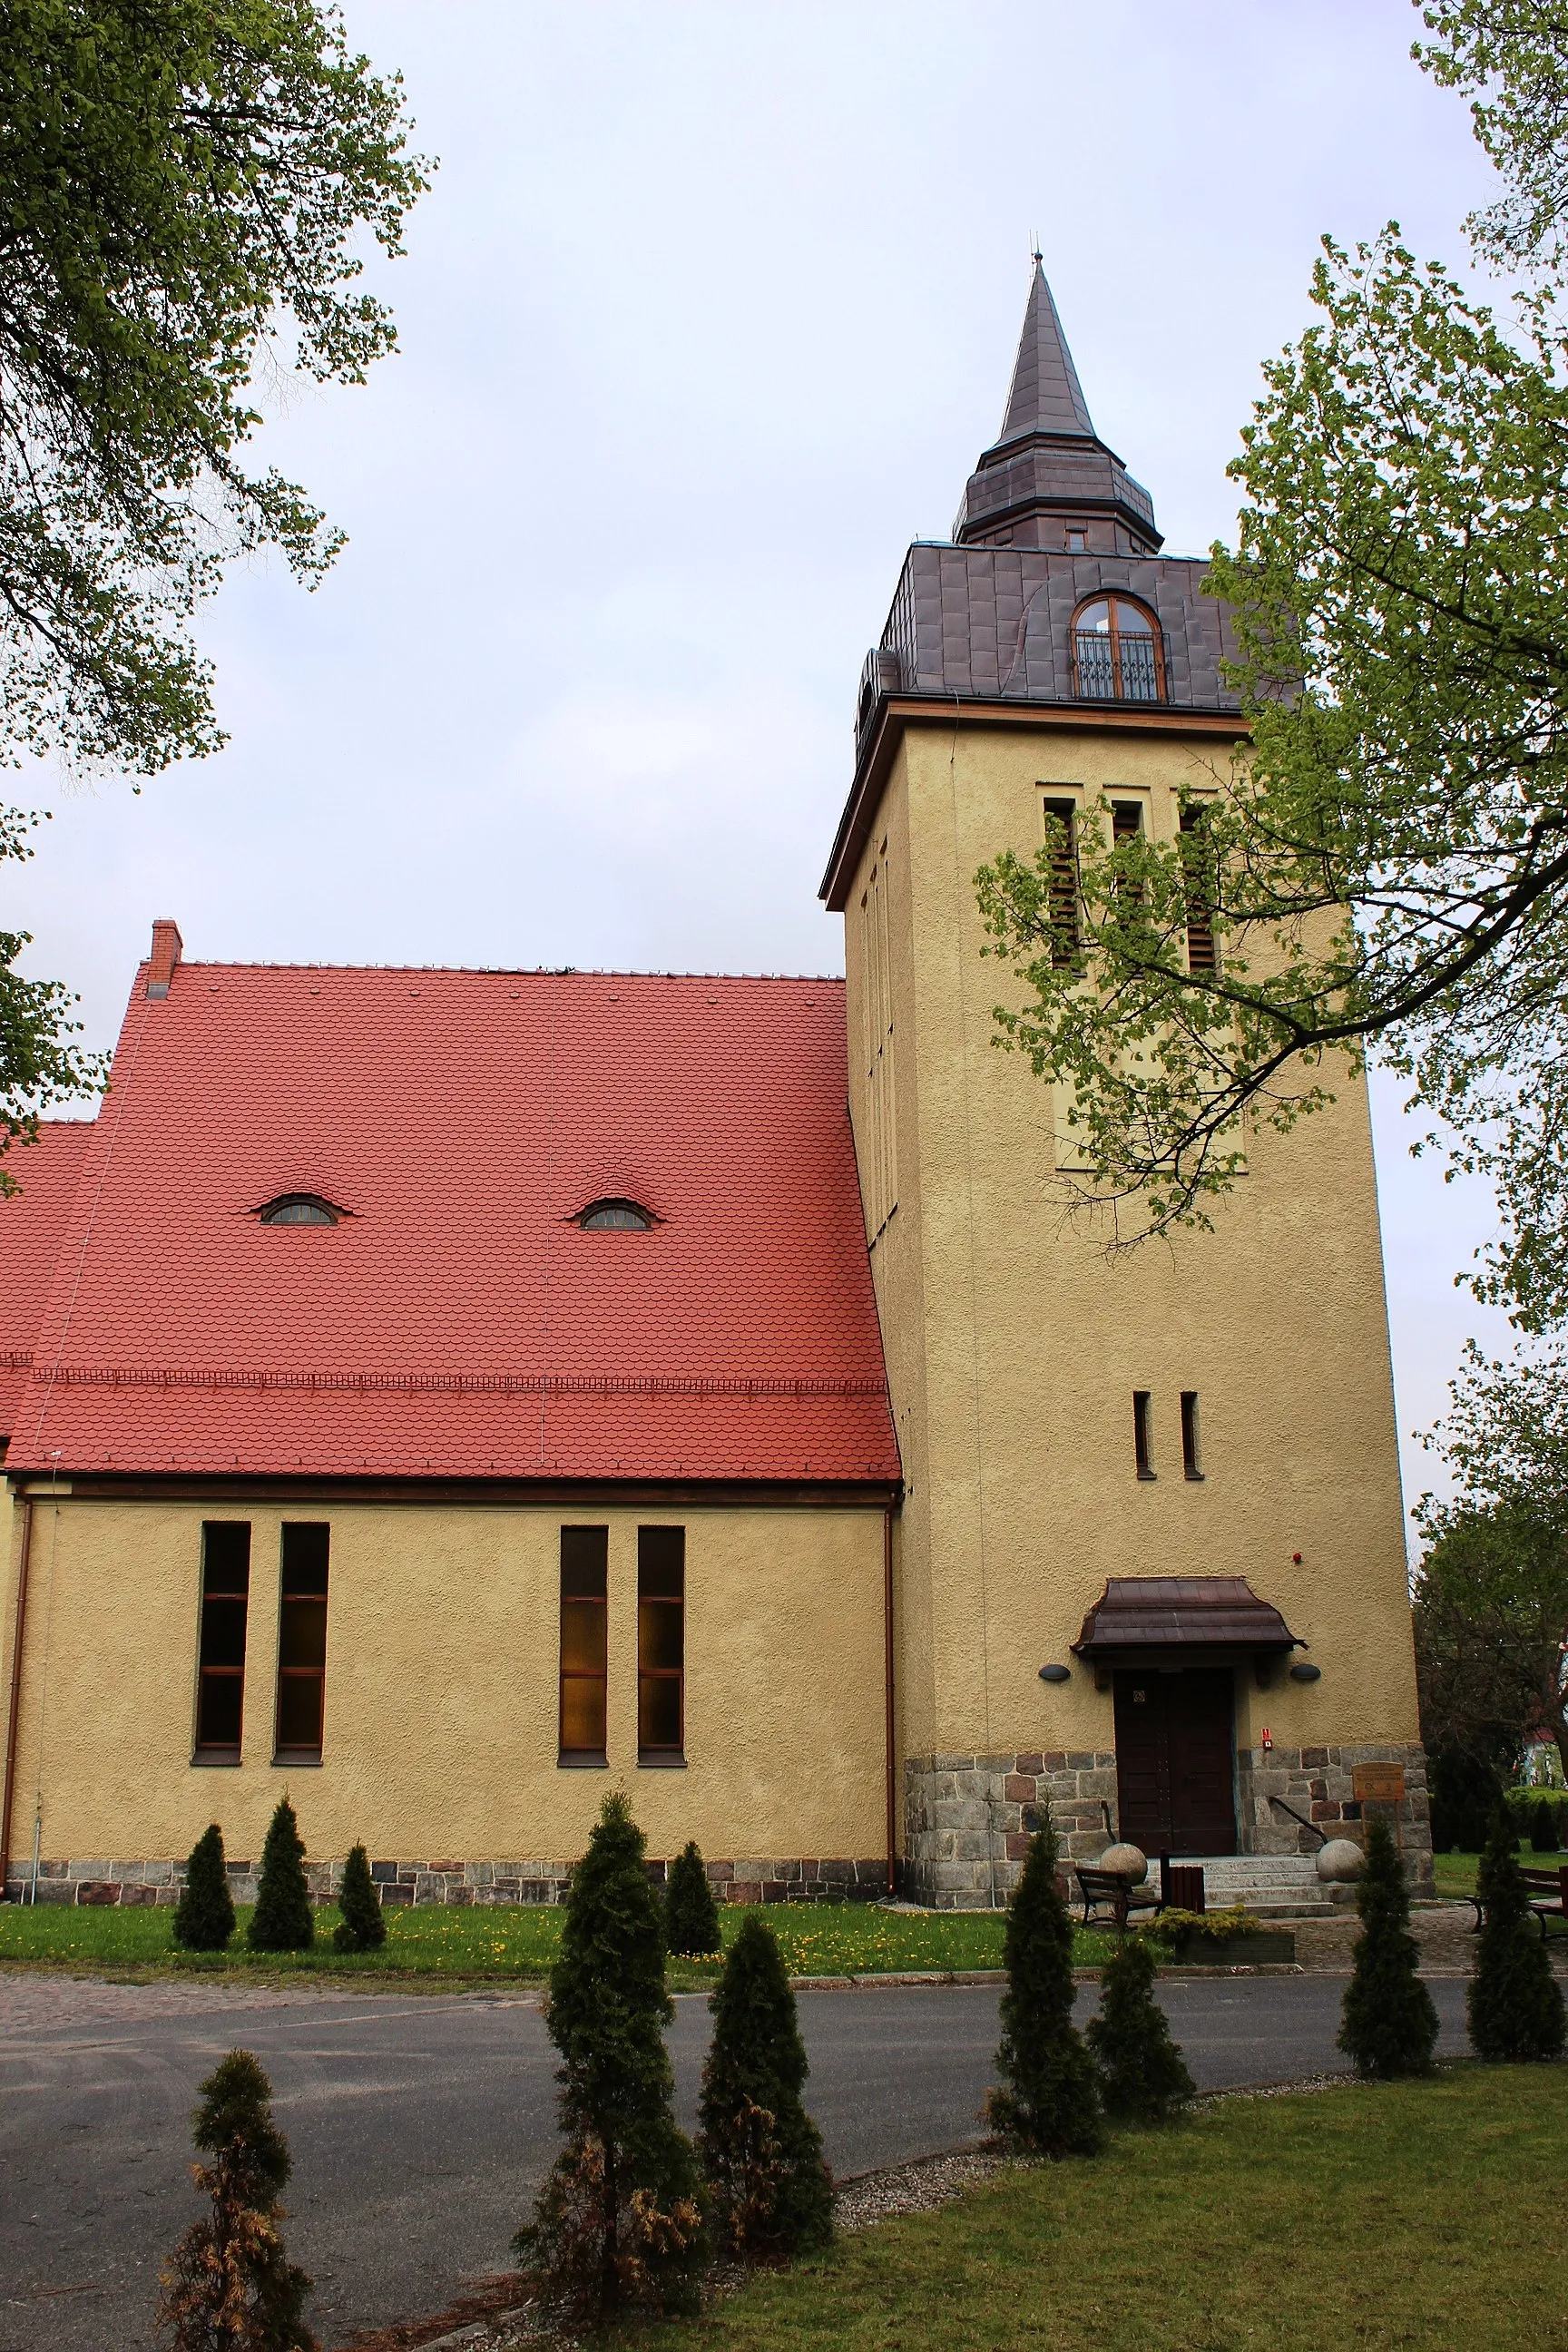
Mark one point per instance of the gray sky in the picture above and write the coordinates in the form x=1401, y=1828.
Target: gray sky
x=711, y=310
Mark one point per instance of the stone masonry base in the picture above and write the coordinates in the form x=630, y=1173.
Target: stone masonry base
x=749, y=1881
x=968, y=1818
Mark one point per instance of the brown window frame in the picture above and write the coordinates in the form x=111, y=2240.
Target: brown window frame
x=584, y=1586
x=1066, y=941
x=217, y=1600
x=1113, y=600
x=661, y=1564
x=299, y=1598
x=1143, y=1432
x=1191, y=1437
x=1203, y=948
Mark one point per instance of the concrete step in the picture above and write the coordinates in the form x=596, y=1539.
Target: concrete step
x=1266, y=1886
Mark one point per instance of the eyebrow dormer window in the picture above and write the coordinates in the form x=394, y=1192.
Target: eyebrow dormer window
x=299, y=1209
x=1116, y=653
x=615, y=1217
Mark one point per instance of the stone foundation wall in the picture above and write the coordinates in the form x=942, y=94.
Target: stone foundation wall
x=968, y=1819
x=749, y=1880
x=1320, y=1784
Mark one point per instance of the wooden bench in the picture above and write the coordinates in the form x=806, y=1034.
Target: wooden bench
x=1116, y=1891
x=1551, y=1886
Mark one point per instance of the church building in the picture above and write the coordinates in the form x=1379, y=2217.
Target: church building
x=444, y=1394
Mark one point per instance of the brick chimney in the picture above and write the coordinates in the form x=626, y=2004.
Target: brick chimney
x=166, y=947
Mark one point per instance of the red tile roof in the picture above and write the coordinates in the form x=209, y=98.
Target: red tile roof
x=456, y=1322
x=31, y=1222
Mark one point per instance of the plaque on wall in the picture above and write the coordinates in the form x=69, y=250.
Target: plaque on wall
x=1378, y=1784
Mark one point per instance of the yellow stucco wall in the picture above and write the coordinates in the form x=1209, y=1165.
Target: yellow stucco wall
x=1015, y=1347
x=442, y=1660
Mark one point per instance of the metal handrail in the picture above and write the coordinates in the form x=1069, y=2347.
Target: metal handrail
x=1321, y=1835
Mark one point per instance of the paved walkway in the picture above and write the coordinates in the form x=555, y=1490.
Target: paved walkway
x=419, y=2125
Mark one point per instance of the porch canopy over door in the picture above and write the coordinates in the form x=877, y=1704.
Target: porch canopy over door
x=1169, y=1647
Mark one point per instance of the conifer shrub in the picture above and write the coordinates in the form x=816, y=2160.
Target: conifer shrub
x=1049, y=2105
x=618, y=2224
x=761, y=2153
x=229, y=2286
x=283, y=1920
x=1143, y=2077
x=203, y=1916
x=1388, y=2025
x=1514, y=2002
x=363, y=1926
x=690, y=1914
x=1543, y=1830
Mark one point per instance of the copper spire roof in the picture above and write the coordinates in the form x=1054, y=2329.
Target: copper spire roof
x=1047, y=396
x=1049, y=480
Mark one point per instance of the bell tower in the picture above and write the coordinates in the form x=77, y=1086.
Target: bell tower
x=1150, y=1560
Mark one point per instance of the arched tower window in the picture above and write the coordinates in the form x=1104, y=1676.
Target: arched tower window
x=1117, y=656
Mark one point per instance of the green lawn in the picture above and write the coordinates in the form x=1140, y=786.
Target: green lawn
x=1456, y=1873
x=1354, y=2221
x=434, y=1941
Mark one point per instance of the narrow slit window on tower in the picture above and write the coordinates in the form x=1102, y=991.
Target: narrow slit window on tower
x=661, y=1645
x=1192, y=1439
x=1143, y=1432
x=1062, y=855
x=1127, y=824
x=585, y=1643
x=1078, y=538
x=302, y=1642
x=1202, y=952
x=220, y=1671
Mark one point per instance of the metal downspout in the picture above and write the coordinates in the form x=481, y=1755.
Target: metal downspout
x=13, y=1713
x=889, y=1732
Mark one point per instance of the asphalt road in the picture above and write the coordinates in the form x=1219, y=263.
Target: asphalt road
x=418, y=2125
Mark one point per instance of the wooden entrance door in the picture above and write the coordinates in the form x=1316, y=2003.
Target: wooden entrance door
x=1175, y=1761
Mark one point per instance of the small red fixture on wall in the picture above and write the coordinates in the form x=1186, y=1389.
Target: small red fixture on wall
x=1267, y=1740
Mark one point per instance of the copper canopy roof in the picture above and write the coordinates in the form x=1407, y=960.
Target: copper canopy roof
x=1178, y=1612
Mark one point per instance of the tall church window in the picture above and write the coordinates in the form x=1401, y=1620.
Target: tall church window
x=220, y=1673
x=876, y=1146
x=1143, y=1432
x=1192, y=1435
x=1117, y=656
x=302, y=1641
x=585, y=1643
x=661, y=1645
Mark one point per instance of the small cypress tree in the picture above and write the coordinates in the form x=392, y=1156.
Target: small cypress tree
x=1514, y=2002
x=1388, y=2025
x=1050, y=2103
x=364, y=1922
x=1543, y=1827
x=690, y=1914
x=761, y=2152
x=1142, y=2075
x=229, y=2286
x=283, y=1920
x=203, y=1916
x=618, y=2222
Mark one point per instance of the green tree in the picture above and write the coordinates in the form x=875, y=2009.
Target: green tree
x=759, y=2151
x=1048, y=2103
x=283, y=1919
x=618, y=2224
x=690, y=1914
x=1543, y=1826
x=1492, y=1594
x=364, y=1925
x=182, y=187
x=229, y=2286
x=1514, y=2002
x=203, y=1916
x=1388, y=2026
x=1384, y=868
x=1143, y=2077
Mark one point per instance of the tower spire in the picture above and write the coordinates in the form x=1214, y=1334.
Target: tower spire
x=1049, y=480
x=1045, y=397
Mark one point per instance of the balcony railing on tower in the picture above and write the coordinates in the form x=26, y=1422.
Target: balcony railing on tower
x=1117, y=654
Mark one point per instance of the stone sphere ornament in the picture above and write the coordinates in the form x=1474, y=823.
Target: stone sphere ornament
x=1340, y=1861
x=1125, y=1860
